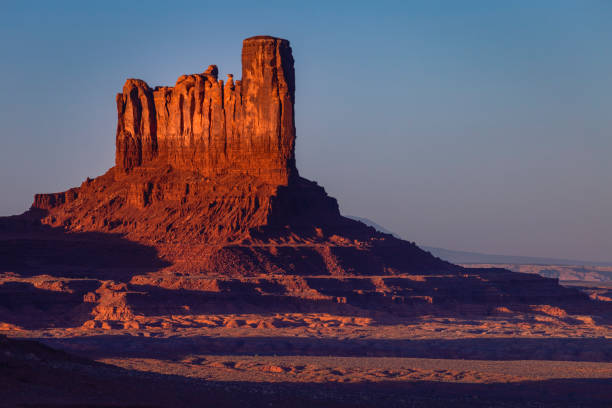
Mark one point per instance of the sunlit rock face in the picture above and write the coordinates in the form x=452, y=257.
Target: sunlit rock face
x=205, y=172
x=205, y=211
x=212, y=127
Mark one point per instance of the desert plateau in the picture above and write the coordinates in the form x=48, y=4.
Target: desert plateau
x=202, y=270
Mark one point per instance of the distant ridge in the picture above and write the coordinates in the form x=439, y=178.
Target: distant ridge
x=372, y=224
x=465, y=257
x=462, y=257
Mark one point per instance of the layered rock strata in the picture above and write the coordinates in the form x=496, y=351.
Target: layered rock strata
x=216, y=128
x=205, y=172
x=204, y=212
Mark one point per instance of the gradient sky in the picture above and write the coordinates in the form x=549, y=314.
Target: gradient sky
x=470, y=125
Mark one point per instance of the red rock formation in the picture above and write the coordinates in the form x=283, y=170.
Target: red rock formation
x=205, y=213
x=212, y=128
x=205, y=172
x=48, y=201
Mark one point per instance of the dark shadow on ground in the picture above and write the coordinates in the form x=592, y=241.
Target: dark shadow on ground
x=32, y=376
x=30, y=248
x=176, y=348
x=451, y=296
x=132, y=389
x=24, y=305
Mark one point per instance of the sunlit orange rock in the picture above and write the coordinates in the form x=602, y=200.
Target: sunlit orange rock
x=205, y=172
x=205, y=198
x=215, y=128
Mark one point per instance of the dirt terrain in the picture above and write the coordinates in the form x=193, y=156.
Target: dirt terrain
x=144, y=335
x=333, y=361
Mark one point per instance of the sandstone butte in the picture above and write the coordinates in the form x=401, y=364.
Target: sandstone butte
x=205, y=171
x=205, y=185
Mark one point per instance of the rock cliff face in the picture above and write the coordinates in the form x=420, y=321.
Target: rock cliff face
x=205, y=171
x=204, y=212
x=216, y=128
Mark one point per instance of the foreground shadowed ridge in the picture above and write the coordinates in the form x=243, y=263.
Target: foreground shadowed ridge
x=37, y=376
x=30, y=248
x=474, y=348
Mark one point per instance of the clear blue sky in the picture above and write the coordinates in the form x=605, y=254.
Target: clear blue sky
x=470, y=125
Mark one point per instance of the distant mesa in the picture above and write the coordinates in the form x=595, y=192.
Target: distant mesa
x=465, y=257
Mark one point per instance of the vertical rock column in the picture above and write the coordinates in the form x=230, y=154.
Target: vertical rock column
x=268, y=125
x=136, y=127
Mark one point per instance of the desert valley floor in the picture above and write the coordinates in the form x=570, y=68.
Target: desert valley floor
x=544, y=357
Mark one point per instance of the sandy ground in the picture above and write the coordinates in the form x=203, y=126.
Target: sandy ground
x=538, y=355
x=364, y=369
x=328, y=360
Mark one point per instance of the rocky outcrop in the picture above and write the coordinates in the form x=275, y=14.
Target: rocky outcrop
x=205, y=173
x=215, y=128
x=204, y=212
x=48, y=201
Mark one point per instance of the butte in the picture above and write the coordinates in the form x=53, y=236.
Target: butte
x=205, y=198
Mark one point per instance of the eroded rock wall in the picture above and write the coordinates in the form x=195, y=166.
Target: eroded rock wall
x=212, y=127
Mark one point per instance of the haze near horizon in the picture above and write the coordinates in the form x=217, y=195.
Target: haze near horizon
x=472, y=126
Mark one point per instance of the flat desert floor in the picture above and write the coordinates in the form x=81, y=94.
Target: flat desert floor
x=329, y=360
